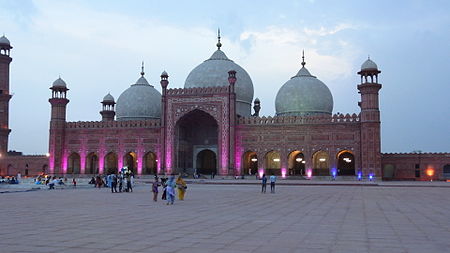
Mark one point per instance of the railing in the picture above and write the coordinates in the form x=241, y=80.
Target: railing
x=115, y=124
x=322, y=119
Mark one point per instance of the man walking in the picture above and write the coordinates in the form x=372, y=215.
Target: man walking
x=113, y=183
x=273, y=179
x=263, y=183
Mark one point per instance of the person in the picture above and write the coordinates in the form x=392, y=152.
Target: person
x=155, y=185
x=92, y=181
x=120, y=180
x=170, y=190
x=129, y=186
x=273, y=179
x=263, y=183
x=99, y=182
x=74, y=182
x=19, y=177
x=113, y=179
x=164, y=185
x=181, y=185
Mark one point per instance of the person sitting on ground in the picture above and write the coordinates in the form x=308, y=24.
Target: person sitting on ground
x=92, y=181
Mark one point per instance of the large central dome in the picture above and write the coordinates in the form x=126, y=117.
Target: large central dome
x=214, y=72
x=304, y=95
x=140, y=101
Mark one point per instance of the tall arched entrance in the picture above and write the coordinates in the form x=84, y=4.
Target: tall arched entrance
x=110, y=163
x=250, y=163
x=346, y=164
x=91, y=163
x=150, y=164
x=73, y=164
x=273, y=163
x=130, y=161
x=296, y=163
x=321, y=164
x=194, y=132
x=206, y=162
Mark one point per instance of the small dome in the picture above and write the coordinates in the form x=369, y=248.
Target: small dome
x=108, y=98
x=369, y=65
x=139, y=102
x=214, y=72
x=164, y=73
x=257, y=100
x=4, y=41
x=59, y=83
x=303, y=95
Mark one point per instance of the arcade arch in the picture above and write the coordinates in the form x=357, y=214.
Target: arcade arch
x=346, y=163
x=296, y=163
x=73, y=164
x=273, y=163
x=91, y=163
x=150, y=164
x=130, y=161
x=206, y=162
x=250, y=163
x=111, y=163
x=321, y=164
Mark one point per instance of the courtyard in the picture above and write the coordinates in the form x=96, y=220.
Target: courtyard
x=229, y=218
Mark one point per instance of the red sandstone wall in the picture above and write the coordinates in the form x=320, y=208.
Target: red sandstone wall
x=11, y=165
x=404, y=165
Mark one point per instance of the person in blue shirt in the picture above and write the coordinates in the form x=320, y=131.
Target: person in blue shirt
x=263, y=183
x=273, y=179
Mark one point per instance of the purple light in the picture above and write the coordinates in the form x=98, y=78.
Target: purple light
x=333, y=172
x=260, y=172
x=371, y=177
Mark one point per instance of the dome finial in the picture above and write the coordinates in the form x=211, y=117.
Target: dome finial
x=303, y=58
x=218, y=39
x=142, y=69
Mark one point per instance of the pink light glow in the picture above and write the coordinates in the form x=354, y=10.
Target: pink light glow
x=83, y=163
x=101, y=164
x=283, y=172
x=169, y=160
x=309, y=173
x=158, y=164
x=51, y=162
x=237, y=164
x=64, y=161
x=260, y=172
x=139, y=161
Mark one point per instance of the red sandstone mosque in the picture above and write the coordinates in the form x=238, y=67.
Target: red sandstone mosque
x=209, y=127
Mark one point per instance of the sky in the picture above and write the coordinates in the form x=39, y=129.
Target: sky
x=97, y=47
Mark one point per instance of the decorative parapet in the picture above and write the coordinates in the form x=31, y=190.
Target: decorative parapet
x=153, y=123
x=322, y=119
x=197, y=90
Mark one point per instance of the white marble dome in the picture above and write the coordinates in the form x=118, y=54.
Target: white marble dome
x=369, y=65
x=59, y=83
x=214, y=72
x=4, y=41
x=108, y=98
x=303, y=95
x=139, y=102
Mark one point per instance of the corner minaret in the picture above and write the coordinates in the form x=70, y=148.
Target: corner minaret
x=370, y=119
x=107, y=111
x=5, y=95
x=58, y=102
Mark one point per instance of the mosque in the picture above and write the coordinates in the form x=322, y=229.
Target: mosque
x=213, y=126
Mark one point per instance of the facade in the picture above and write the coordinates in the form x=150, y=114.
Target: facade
x=208, y=127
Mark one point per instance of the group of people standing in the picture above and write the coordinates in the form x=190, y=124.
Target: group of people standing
x=272, y=179
x=169, y=187
x=123, y=181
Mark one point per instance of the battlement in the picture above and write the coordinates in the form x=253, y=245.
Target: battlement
x=322, y=119
x=152, y=123
x=198, y=91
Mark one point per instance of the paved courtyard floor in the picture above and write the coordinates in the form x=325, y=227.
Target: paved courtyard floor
x=229, y=218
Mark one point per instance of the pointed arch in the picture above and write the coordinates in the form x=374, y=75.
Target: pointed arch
x=273, y=163
x=73, y=163
x=150, y=163
x=250, y=163
x=321, y=163
x=92, y=163
x=111, y=163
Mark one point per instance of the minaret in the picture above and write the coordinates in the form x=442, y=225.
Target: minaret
x=107, y=111
x=5, y=95
x=370, y=119
x=58, y=102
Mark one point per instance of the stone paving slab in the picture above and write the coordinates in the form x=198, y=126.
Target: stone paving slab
x=229, y=218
